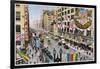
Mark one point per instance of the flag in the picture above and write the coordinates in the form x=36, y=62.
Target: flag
x=66, y=17
x=72, y=25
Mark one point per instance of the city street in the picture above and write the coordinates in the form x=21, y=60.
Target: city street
x=49, y=34
x=35, y=56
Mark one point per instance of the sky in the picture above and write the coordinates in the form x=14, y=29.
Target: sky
x=35, y=11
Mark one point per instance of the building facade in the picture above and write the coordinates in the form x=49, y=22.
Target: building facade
x=75, y=24
x=22, y=27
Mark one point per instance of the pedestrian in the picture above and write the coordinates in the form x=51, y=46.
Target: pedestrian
x=60, y=51
x=57, y=59
x=80, y=58
x=54, y=53
x=64, y=51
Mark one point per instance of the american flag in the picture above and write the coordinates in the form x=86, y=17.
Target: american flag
x=60, y=26
x=72, y=25
x=66, y=17
x=63, y=26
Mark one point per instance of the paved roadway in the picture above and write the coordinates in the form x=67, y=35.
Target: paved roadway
x=34, y=57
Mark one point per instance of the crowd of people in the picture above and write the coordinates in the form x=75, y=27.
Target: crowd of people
x=44, y=54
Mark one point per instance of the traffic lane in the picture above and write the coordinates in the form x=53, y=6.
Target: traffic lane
x=54, y=44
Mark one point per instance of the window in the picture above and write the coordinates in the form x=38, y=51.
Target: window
x=76, y=31
x=17, y=28
x=65, y=23
x=68, y=11
x=72, y=16
x=67, y=29
x=18, y=42
x=88, y=32
x=69, y=17
x=76, y=9
x=62, y=18
x=62, y=9
x=72, y=10
x=17, y=5
x=65, y=12
x=17, y=15
x=68, y=23
x=62, y=13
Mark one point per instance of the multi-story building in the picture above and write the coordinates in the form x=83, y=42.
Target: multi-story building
x=68, y=27
x=45, y=19
x=26, y=26
x=53, y=24
x=66, y=23
x=49, y=21
x=22, y=26
x=65, y=19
